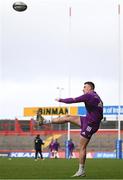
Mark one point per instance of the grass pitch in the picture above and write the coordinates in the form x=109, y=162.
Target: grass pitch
x=27, y=168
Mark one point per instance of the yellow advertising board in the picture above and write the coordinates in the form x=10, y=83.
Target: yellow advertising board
x=49, y=111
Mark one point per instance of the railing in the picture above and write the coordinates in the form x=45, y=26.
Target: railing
x=29, y=127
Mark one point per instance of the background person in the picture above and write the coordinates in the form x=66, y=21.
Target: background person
x=38, y=142
x=56, y=147
x=51, y=149
x=71, y=147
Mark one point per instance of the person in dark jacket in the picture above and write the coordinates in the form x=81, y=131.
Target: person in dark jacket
x=38, y=142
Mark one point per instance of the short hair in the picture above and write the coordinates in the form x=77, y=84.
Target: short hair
x=91, y=84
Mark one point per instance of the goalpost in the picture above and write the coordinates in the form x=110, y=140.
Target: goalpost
x=119, y=141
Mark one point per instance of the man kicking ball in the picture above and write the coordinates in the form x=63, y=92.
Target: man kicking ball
x=89, y=124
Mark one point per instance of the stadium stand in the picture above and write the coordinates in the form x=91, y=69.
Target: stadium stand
x=18, y=135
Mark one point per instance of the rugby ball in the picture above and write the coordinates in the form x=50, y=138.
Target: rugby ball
x=19, y=6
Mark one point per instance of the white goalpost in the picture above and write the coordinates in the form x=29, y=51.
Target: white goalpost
x=119, y=141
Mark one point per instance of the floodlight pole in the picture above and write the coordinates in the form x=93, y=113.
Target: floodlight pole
x=60, y=89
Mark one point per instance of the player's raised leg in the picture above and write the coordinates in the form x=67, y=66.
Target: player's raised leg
x=59, y=120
